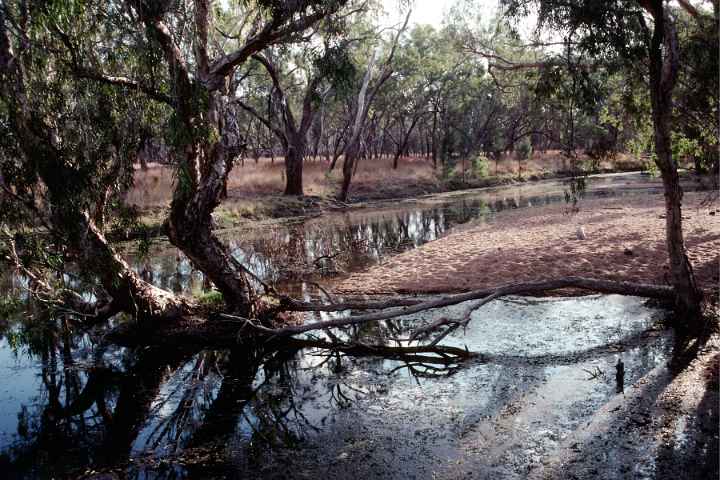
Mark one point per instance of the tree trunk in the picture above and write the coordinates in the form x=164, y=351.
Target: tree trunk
x=434, y=140
x=190, y=229
x=128, y=291
x=75, y=226
x=294, y=165
x=402, y=148
x=351, y=152
x=663, y=75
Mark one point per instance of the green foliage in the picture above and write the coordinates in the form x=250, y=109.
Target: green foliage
x=684, y=147
x=448, y=171
x=337, y=66
x=643, y=147
x=9, y=306
x=481, y=166
x=524, y=149
x=211, y=299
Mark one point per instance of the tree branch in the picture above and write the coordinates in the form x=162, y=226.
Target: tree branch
x=272, y=33
x=119, y=81
x=398, y=308
x=279, y=133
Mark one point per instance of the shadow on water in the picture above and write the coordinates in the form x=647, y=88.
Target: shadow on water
x=69, y=405
x=305, y=412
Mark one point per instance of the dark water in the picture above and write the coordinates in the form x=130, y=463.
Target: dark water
x=71, y=406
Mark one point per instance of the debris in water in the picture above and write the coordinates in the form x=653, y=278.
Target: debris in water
x=620, y=376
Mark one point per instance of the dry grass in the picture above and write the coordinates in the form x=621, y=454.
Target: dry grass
x=153, y=187
x=374, y=178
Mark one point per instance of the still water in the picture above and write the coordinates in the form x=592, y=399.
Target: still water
x=71, y=405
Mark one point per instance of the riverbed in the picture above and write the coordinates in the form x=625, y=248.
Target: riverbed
x=543, y=369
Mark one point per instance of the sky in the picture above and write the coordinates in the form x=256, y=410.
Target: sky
x=430, y=12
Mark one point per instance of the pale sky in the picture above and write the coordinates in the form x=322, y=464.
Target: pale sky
x=430, y=12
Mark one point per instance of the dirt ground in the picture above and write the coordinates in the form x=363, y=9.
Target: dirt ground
x=374, y=178
x=624, y=240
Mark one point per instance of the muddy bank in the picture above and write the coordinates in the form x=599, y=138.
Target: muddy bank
x=623, y=240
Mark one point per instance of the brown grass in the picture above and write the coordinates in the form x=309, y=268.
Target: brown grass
x=374, y=178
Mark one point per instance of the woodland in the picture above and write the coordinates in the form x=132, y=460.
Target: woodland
x=93, y=95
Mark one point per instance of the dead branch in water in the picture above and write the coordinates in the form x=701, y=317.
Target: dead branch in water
x=661, y=292
x=227, y=330
x=401, y=307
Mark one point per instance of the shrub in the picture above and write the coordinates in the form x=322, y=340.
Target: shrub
x=649, y=165
x=212, y=298
x=524, y=149
x=481, y=166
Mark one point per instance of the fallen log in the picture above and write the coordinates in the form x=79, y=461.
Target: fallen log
x=400, y=307
x=225, y=330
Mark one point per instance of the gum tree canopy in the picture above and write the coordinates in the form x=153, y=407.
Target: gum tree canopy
x=644, y=32
x=65, y=146
x=74, y=77
x=81, y=84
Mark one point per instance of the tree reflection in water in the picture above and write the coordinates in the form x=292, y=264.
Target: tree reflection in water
x=176, y=412
x=192, y=413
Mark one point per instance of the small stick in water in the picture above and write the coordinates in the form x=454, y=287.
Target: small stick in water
x=620, y=376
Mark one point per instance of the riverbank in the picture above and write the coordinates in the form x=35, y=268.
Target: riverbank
x=255, y=189
x=374, y=178
x=623, y=240
x=251, y=209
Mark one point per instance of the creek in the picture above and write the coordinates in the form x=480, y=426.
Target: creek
x=69, y=406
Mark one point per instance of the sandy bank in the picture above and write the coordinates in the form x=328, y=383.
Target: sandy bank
x=624, y=241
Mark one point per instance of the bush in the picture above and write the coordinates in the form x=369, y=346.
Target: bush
x=481, y=166
x=448, y=168
x=524, y=150
x=211, y=299
x=649, y=165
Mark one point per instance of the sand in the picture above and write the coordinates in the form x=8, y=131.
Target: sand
x=624, y=240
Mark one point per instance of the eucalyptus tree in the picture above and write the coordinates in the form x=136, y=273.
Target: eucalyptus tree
x=636, y=31
x=68, y=68
x=413, y=87
x=301, y=81
x=202, y=47
x=367, y=89
x=66, y=151
x=695, y=113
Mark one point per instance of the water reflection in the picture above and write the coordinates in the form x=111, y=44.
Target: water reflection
x=311, y=249
x=165, y=413
x=69, y=403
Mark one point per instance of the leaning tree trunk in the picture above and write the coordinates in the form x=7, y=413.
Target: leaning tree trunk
x=76, y=226
x=203, y=164
x=190, y=229
x=663, y=75
x=128, y=291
